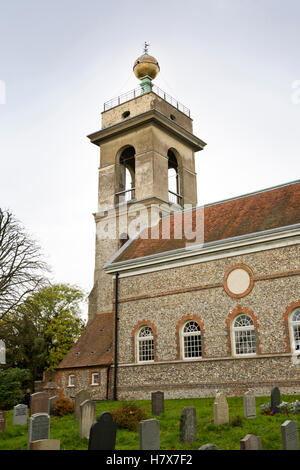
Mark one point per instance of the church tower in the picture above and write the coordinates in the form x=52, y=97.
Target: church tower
x=147, y=168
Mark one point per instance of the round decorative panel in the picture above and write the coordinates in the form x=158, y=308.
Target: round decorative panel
x=238, y=281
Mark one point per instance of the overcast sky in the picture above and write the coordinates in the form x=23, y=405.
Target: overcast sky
x=234, y=63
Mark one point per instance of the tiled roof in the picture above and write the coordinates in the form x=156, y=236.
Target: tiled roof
x=95, y=345
x=256, y=212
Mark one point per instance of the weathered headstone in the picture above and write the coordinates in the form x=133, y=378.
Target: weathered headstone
x=250, y=442
x=103, y=433
x=39, y=403
x=80, y=397
x=39, y=427
x=149, y=434
x=221, y=411
x=86, y=419
x=2, y=352
x=209, y=447
x=275, y=398
x=249, y=405
x=157, y=399
x=45, y=444
x=289, y=435
x=20, y=414
x=2, y=421
x=188, y=425
x=51, y=404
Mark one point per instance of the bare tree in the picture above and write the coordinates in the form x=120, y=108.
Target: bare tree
x=21, y=266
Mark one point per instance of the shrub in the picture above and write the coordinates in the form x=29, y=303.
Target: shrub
x=128, y=416
x=63, y=406
x=11, y=387
x=236, y=420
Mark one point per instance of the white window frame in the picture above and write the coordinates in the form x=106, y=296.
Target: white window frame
x=293, y=324
x=93, y=378
x=140, y=339
x=71, y=379
x=185, y=335
x=240, y=329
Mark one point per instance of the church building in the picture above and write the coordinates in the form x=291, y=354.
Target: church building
x=186, y=299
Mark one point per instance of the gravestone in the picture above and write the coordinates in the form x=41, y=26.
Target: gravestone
x=188, y=425
x=157, y=402
x=289, y=435
x=45, y=444
x=275, y=398
x=39, y=427
x=209, y=447
x=250, y=442
x=86, y=419
x=39, y=403
x=80, y=397
x=103, y=433
x=52, y=400
x=149, y=434
x=20, y=414
x=249, y=405
x=221, y=411
x=2, y=421
x=2, y=352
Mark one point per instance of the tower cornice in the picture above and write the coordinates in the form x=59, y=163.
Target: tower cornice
x=149, y=117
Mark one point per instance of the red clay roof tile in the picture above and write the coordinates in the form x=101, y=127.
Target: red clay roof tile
x=269, y=209
x=95, y=345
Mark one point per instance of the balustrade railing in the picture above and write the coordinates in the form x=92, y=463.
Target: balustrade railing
x=175, y=198
x=125, y=196
x=130, y=95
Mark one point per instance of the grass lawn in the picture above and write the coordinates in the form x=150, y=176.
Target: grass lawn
x=226, y=437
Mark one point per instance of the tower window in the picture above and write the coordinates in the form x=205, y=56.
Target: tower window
x=126, y=191
x=123, y=239
x=125, y=114
x=173, y=179
x=172, y=117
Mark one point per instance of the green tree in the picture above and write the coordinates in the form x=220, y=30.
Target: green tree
x=43, y=328
x=62, y=331
x=12, y=383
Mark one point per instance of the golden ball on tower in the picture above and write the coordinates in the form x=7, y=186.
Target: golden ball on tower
x=146, y=66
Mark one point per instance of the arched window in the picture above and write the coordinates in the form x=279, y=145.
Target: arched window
x=127, y=176
x=295, y=329
x=244, y=335
x=145, y=344
x=191, y=340
x=173, y=179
